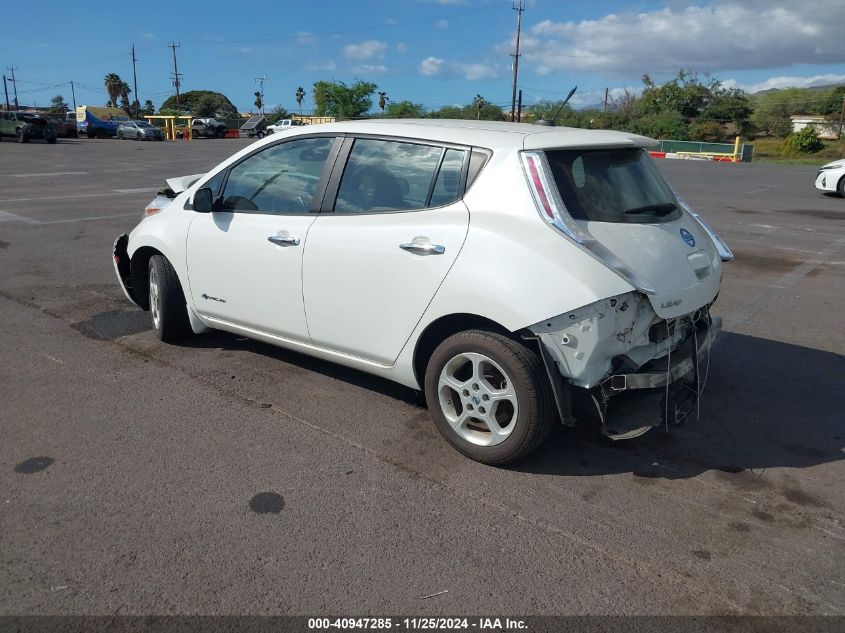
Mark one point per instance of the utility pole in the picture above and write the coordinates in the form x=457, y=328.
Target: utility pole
x=176, y=81
x=605, y=100
x=519, y=107
x=6, y=90
x=519, y=9
x=135, y=81
x=73, y=92
x=14, y=86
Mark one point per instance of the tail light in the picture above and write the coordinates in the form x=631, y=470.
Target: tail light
x=553, y=211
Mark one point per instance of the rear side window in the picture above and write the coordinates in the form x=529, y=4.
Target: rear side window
x=617, y=185
x=383, y=176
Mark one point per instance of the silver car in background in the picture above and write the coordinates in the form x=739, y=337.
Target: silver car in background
x=140, y=131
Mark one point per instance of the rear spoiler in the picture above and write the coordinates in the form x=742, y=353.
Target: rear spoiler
x=175, y=186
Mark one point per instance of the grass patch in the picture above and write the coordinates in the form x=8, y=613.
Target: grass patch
x=771, y=150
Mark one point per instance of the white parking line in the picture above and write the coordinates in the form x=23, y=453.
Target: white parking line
x=113, y=192
x=55, y=173
x=5, y=216
x=745, y=313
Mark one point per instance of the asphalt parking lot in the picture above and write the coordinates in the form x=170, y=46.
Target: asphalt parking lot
x=129, y=469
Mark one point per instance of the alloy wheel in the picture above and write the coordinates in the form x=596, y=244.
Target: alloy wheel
x=155, y=299
x=478, y=399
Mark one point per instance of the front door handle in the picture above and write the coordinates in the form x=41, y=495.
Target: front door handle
x=284, y=240
x=423, y=248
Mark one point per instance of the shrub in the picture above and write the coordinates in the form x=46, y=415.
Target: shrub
x=805, y=141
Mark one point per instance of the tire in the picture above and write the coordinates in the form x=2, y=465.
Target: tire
x=475, y=367
x=841, y=187
x=120, y=136
x=52, y=140
x=89, y=134
x=138, y=136
x=21, y=137
x=168, y=311
x=260, y=135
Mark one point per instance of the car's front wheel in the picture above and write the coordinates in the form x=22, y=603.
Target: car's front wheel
x=841, y=187
x=489, y=396
x=167, y=301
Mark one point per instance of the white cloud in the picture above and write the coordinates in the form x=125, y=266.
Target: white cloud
x=431, y=66
x=401, y=47
x=726, y=34
x=369, y=69
x=371, y=49
x=436, y=67
x=442, y=24
x=786, y=82
x=328, y=66
x=243, y=50
x=304, y=37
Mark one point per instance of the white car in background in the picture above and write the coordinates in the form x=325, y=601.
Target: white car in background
x=514, y=273
x=831, y=177
x=283, y=124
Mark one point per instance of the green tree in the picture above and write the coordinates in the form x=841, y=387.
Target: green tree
x=204, y=107
x=149, y=108
x=449, y=112
x=300, y=95
x=666, y=124
x=405, y=110
x=335, y=98
x=707, y=131
x=188, y=101
x=805, y=141
x=58, y=105
x=277, y=113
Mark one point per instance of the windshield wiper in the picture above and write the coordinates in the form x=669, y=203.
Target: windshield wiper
x=660, y=209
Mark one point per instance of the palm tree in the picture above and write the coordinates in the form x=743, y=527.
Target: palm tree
x=114, y=86
x=300, y=95
x=479, y=103
x=124, y=96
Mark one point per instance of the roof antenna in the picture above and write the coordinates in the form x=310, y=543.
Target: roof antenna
x=551, y=123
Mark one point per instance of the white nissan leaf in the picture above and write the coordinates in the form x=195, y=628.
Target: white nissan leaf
x=516, y=274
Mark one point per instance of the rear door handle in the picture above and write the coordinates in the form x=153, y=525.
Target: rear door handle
x=284, y=240
x=423, y=248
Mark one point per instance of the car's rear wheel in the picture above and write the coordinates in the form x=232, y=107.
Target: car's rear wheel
x=489, y=396
x=167, y=301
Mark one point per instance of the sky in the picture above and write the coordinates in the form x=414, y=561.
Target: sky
x=432, y=52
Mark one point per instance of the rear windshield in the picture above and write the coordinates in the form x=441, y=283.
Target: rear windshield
x=617, y=185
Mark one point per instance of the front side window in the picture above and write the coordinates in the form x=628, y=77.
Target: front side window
x=397, y=176
x=616, y=185
x=280, y=179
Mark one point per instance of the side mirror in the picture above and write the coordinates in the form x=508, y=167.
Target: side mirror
x=204, y=200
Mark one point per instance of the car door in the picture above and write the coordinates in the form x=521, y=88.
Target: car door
x=244, y=259
x=373, y=264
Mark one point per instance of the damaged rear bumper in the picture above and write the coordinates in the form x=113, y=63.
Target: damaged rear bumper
x=664, y=391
